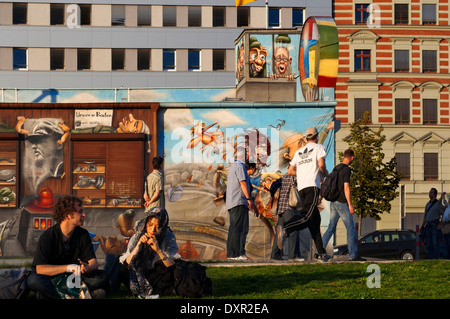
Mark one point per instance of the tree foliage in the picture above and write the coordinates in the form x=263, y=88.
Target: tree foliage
x=374, y=181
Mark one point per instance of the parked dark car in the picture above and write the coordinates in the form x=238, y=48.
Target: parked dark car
x=386, y=244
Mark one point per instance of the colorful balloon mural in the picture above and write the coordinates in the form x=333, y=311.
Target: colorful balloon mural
x=318, y=58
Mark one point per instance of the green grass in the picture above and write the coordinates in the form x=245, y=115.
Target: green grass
x=398, y=280
x=403, y=280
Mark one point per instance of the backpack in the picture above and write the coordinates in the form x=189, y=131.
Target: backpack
x=329, y=189
x=13, y=283
x=191, y=280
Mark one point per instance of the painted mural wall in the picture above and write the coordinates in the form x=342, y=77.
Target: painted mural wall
x=99, y=153
x=198, y=146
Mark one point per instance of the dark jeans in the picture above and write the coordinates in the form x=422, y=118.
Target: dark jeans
x=43, y=284
x=292, y=240
x=432, y=239
x=309, y=217
x=237, y=232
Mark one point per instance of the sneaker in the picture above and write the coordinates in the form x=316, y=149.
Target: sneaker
x=297, y=259
x=323, y=258
x=233, y=258
x=243, y=257
x=357, y=258
x=149, y=296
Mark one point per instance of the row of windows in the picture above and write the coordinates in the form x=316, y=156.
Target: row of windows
x=401, y=13
x=362, y=61
x=402, y=110
x=431, y=166
x=144, y=16
x=118, y=59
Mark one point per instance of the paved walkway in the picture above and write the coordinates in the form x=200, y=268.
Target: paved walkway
x=19, y=262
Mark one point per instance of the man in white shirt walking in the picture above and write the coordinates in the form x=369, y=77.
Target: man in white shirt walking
x=308, y=164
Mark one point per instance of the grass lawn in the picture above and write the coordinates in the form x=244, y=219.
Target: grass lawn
x=399, y=280
x=402, y=280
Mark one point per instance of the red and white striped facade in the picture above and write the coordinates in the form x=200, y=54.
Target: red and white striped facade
x=383, y=85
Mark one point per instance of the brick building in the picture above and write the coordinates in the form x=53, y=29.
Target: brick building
x=394, y=62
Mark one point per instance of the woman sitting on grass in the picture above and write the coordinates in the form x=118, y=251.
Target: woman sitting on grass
x=153, y=262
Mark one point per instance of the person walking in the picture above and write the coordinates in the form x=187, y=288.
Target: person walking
x=238, y=204
x=308, y=164
x=154, y=189
x=431, y=217
x=343, y=208
x=284, y=213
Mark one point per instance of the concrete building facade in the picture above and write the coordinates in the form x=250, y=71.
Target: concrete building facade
x=113, y=44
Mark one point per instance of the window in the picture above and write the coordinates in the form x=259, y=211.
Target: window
x=195, y=16
x=362, y=105
x=110, y=160
x=297, y=17
x=170, y=16
x=429, y=61
x=56, y=59
x=401, y=14
x=117, y=15
x=361, y=13
x=168, y=60
x=429, y=14
x=57, y=13
x=430, y=170
x=401, y=60
x=194, y=60
x=401, y=111
x=143, y=59
x=85, y=14
x=219, y=16
x=20, y=59
x=430, y=111
x=20, y=13
x=362, y=60
x=84, y=59
x=404, y=165
x=118, y=59
x=218, y=60
x=274, y=18
x=144, y=15
x=243, y=16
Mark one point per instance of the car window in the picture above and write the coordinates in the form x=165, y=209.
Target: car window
x=395, y=237
x=386, y=237
x=373, y=238
x=408, y=236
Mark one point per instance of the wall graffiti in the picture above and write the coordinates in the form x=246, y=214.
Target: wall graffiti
x=199, y=147
x=44, y=146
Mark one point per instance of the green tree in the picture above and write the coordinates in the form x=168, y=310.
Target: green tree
x=374, y=181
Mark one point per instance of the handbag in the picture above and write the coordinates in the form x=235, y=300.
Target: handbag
x=294, y=197
x=445, y=227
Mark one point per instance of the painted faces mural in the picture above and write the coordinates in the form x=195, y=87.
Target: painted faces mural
x=199, y=146
x=44, y=149
x=311, y=56
x=240, y=61
x=257, y=58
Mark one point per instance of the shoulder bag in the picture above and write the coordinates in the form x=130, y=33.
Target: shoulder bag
x=294, y=197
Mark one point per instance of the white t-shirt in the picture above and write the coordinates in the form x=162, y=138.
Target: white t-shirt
x=306, y=161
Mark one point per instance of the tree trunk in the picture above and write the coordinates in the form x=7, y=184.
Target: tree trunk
x=359, y=225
